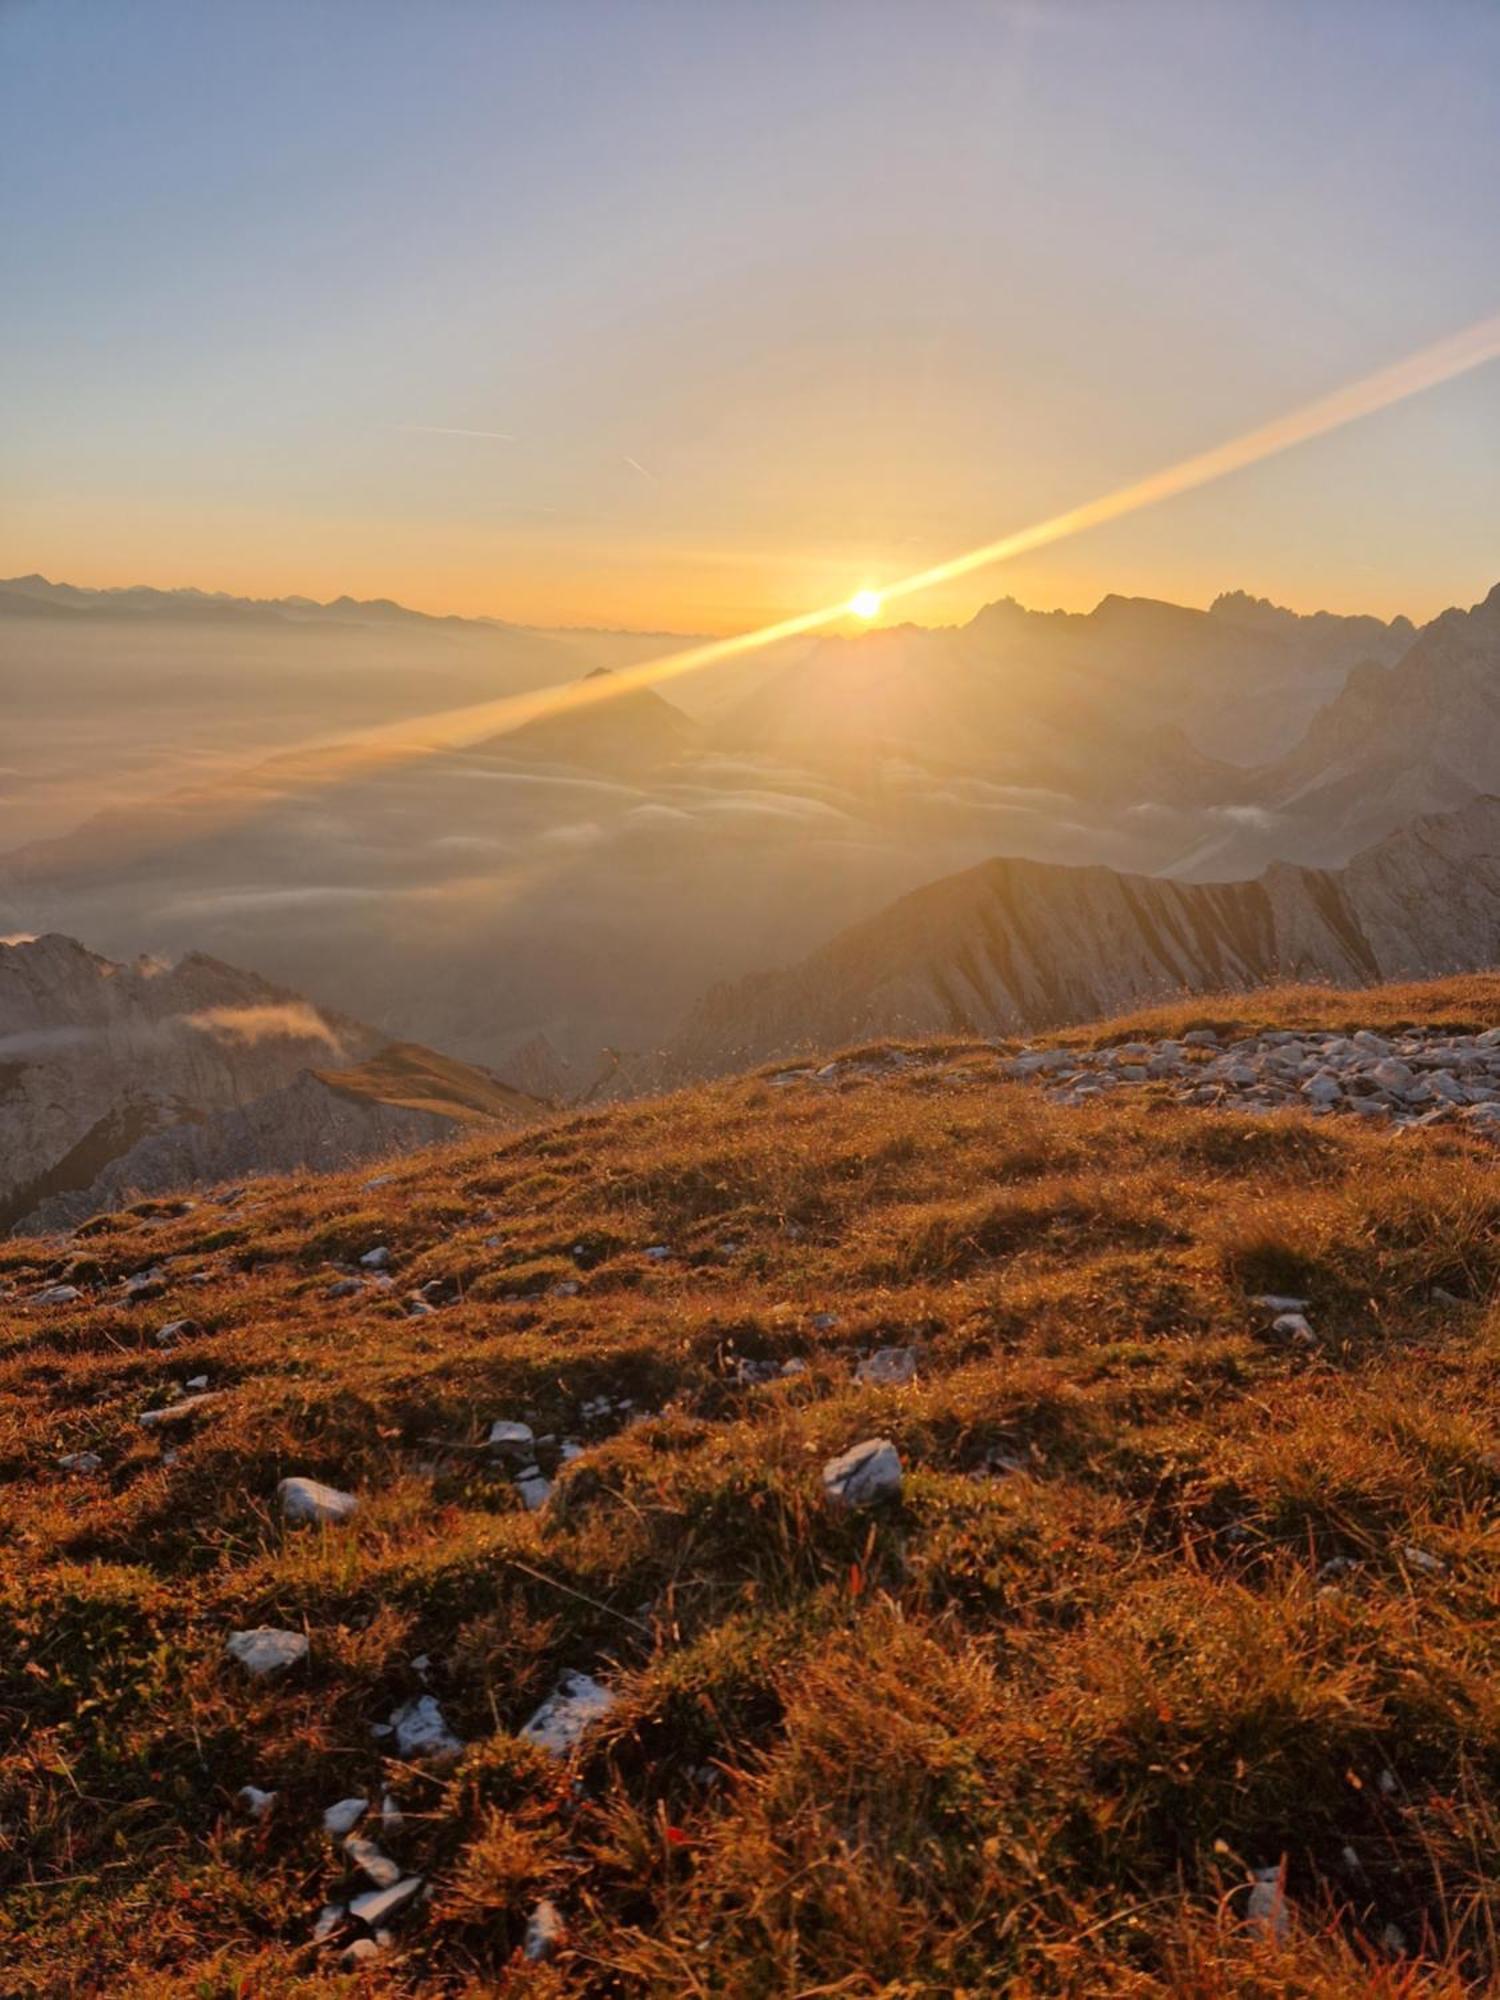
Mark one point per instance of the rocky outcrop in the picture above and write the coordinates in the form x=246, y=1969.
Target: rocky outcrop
x=307, y=1124
x=1414, y=1076
x=1013, y=945
x=1418, y=737
x=119, y=1080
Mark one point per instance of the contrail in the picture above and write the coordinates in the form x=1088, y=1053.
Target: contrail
x=452, y=431
x=636, y=466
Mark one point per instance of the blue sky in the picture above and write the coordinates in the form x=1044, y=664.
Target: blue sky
x=854, y=286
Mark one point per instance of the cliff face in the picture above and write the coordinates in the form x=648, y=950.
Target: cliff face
x=307, y=1124
x=1013, y=946
x=1419, y=737
x=122, y=1079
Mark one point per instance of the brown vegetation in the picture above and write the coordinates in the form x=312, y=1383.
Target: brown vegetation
x=1026, y=1732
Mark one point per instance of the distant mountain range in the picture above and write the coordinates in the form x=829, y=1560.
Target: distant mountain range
x=574, y=886
x=1015, y=946
x=120, y=1080
x=35, y=596
x=1044, y=695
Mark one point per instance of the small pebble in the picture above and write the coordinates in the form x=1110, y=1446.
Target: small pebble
x=545, y=1931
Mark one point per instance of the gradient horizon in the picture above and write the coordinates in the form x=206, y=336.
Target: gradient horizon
x=768, y=303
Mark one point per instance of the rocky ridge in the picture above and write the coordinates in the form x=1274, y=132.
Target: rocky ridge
x=1412, y=1077
x=1015, y=946
x=118, y=1080
x=1420, y=1076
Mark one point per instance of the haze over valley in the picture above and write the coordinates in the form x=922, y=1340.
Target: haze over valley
x=750, y=1000
x=587, y=876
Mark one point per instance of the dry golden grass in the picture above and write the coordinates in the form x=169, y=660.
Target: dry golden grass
x=1025, y=1733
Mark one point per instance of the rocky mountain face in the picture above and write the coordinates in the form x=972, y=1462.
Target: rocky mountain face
x=1420, y=736
x=1121, y=698
x=1012, y=946
x=121, y=1079
x=1395, y=743
x=628, y=731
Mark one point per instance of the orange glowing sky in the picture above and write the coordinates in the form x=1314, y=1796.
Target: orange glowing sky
x=689, y=320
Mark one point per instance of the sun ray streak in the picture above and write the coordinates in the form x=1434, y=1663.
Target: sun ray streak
x=317, y=764
x=1454, y=355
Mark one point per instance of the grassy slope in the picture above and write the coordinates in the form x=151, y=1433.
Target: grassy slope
x=418, y=1079
x=1022, y=1734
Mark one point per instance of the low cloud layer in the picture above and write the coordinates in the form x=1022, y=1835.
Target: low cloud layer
x=293, y=1022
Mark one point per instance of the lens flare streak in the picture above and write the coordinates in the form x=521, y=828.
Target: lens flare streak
x=1455, y=355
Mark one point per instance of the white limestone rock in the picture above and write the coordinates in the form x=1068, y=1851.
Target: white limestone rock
x=545, y=1931
x=310, y=1500
x=343, y=1817
x=1324, y=1088
x=57, y=1295
x=172, y=1414
x=264, y=1650
x=575, y=1704
x=888, y=1368
x=1391, y=1075
x=368, y=1859
x=422, y=1733
x=377, y=1904
x=863, y=1475
x=514, y=1440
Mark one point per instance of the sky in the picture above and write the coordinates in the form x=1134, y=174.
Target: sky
x=767, y=300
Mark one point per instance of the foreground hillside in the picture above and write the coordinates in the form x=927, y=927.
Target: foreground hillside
x=1175, y=1590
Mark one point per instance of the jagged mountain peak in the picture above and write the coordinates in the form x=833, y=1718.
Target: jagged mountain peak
x=1014, y=945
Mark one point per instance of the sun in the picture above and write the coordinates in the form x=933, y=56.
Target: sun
x=865, y=603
